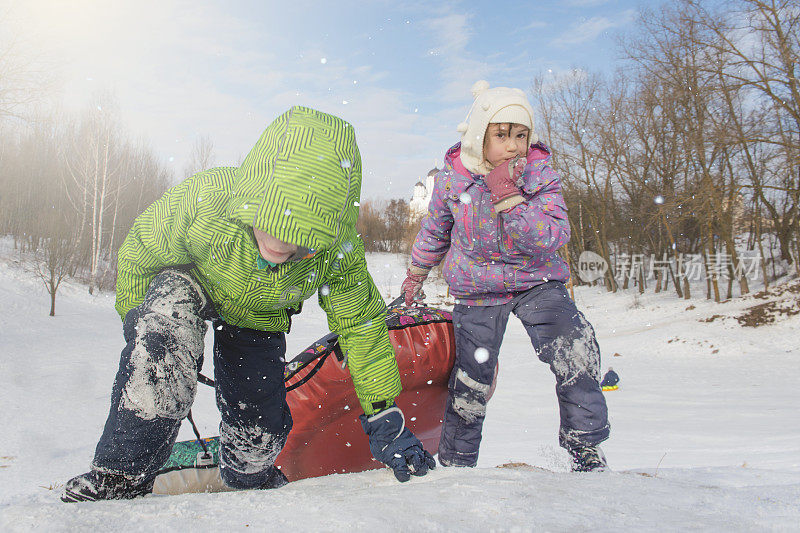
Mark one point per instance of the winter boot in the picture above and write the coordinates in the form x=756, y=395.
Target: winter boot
x=587, y=458
x=96, y=485
x=275, y=480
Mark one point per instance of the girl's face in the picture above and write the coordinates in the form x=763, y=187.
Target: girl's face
x=503, y=142
x=272, y=249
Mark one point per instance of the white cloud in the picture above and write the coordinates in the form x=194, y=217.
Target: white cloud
x=458, y=69
x=451, y=34
x=590, y=29
x=585, y=3
x=536, y=24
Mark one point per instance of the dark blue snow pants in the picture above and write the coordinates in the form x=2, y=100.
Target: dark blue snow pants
x=157, y=381
x=562, y=338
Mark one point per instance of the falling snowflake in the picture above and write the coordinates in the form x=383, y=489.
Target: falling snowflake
x=481, y=355
x=465, y=198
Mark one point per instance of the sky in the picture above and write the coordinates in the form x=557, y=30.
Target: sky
x=400, y=72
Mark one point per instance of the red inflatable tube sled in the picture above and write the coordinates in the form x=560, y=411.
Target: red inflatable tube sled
x=327, y=437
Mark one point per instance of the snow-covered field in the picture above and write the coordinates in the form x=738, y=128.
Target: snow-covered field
x=705, y=428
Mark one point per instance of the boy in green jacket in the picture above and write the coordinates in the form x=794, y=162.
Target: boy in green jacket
x=243, y=247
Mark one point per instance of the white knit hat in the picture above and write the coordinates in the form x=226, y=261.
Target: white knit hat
x=491, y=106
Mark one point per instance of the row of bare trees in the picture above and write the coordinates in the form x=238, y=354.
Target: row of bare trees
x=693, y=143
x=70, y=188
x=71, y=185
x=386, y=226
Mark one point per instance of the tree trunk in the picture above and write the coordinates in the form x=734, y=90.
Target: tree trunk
x=736, y=268
x=52, y=301
x=711, y=276
x=763, y=260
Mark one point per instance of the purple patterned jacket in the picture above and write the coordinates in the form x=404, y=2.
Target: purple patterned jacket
x=490, y=258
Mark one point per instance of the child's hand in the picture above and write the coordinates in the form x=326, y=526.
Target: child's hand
x=393, y=444
x=505, y=180
x=412, y=285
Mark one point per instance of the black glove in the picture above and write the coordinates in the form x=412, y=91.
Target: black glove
x=394, y=445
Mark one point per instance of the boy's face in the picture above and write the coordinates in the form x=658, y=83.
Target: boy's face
x=505, y=141
x=272, y=249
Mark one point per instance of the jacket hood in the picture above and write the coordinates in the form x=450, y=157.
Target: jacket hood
x=301, y=182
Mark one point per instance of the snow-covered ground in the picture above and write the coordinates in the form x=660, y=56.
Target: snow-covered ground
x=705, y=428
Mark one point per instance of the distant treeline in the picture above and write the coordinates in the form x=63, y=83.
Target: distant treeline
x=70, y=188
x=692, y=143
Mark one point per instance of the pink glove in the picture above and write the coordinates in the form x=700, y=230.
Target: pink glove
x=505, y=179
x=412, y=286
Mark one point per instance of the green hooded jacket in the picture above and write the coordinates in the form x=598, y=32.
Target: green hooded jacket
x=300, y=183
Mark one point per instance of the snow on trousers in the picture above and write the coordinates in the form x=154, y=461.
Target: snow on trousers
x=157, y=381
x=562, y=338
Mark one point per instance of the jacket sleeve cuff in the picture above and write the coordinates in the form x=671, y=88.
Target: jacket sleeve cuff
x=372, y=407
x=418, y=270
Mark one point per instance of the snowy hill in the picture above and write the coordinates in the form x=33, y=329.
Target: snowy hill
x=705, y=428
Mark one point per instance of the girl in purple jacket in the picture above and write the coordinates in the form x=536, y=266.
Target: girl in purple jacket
x=497, y=218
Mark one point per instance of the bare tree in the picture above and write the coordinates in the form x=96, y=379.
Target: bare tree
x=49, y=221
x=94, y=161
x=574, y=109
x=53, y=263
x=385, y=226
x=70, y=191
x=759, y=41
x=22, y=80
x=201, y=157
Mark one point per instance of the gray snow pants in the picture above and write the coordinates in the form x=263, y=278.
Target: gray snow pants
x=157, y=381
x=562, y=338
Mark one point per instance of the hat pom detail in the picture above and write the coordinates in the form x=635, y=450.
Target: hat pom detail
x=479, y=87
x=462, y=128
